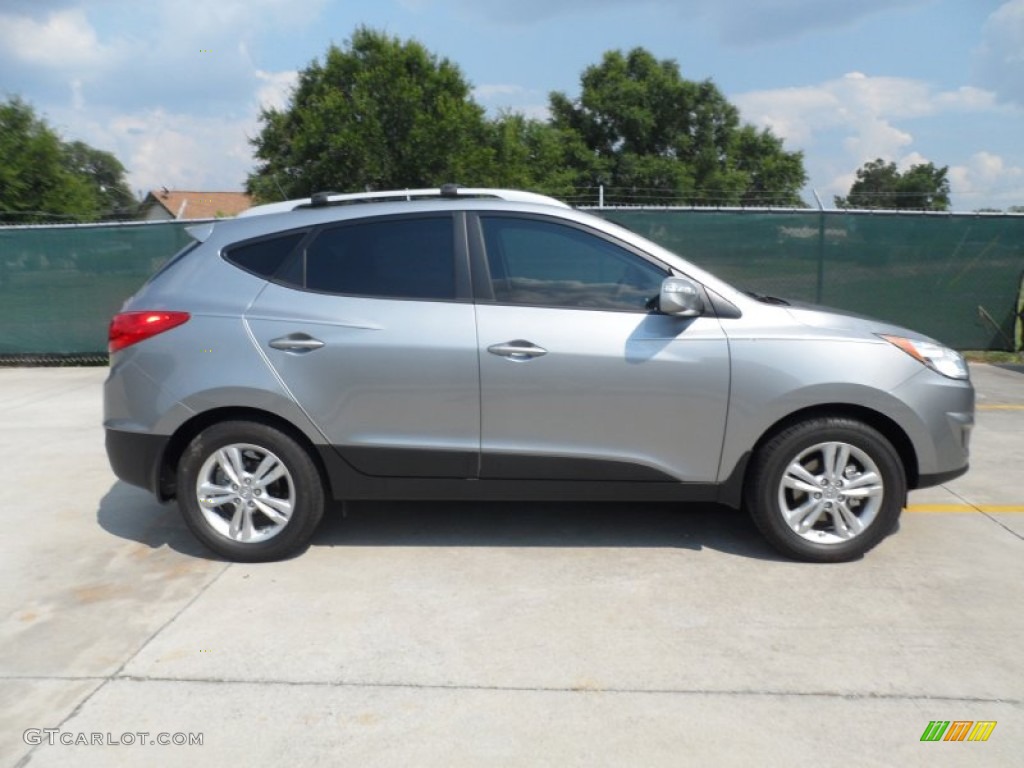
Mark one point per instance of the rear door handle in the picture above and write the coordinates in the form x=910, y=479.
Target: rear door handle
x=296, y=342
x=517, y=350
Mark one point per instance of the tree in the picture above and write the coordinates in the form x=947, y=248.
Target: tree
x=105, y=176
x=659, y=137
x=378, y=114
x=880, y=185
x=535, y=155
x=42, y=178
x=35, y=183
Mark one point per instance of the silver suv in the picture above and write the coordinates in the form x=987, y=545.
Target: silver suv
x=490, y=344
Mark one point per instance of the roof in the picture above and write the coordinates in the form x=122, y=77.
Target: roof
x=182, y=204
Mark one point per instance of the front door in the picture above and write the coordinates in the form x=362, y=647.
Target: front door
x=579, y=379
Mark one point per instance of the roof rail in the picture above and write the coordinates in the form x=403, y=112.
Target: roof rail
x=448, y=191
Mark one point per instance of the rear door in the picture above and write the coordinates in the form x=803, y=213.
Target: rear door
x=580, y=380
x=371, y=327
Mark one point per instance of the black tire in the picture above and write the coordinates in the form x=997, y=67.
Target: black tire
x=294, y=496
x=848, y=496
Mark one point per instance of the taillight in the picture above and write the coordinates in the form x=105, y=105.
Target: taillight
x=129, y=328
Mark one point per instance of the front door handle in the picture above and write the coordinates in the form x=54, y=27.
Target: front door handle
x=296, y=342
x=517, y=350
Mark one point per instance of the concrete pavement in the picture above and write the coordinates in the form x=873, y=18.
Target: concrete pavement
x=497, y=634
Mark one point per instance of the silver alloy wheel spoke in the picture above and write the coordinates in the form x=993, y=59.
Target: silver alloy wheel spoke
x=807, y=520
x=868, y=484
x=245, y=493
x=851, y=525
x=836, y=457
x=278, y=511
x=230, y=464
x=268, y=471
x=212, y=496
x=799, y=479
x=241, y=524
x=831, y=492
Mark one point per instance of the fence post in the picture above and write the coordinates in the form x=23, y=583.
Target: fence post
x=821, y=250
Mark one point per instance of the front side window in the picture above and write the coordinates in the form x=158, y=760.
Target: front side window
x=542, y=263
x=388, y=258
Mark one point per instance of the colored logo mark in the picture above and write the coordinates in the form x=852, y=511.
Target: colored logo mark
x=958, y=730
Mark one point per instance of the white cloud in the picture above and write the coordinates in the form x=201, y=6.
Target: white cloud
x=174, y=54
x=276, y=89
x=175, y=150
x=490, y=92
x=171, y=89
x=986, y=179
x=868, y=117
x=64, y=40
x=999, y=61
x=500, y=97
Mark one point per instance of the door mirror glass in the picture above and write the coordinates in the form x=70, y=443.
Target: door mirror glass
x=680, y=297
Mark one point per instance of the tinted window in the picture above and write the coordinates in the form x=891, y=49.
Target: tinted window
x=541, y=263
x=398, y=258
x=264, y=257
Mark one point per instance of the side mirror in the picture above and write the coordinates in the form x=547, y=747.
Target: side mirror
x=680, y=297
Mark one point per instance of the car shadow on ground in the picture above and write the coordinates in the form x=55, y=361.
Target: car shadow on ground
x=132, y=514
x=542, y=524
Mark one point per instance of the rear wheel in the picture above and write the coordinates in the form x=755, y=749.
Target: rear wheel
x=249, y=492
x=826, y=490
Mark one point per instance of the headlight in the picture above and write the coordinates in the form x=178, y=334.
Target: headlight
x=940, y=359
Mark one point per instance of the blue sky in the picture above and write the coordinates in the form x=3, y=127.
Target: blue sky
x=173, y=87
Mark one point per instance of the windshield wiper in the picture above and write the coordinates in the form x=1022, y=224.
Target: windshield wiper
x=774, y=300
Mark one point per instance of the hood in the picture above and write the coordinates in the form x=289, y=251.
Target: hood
x=840, y=320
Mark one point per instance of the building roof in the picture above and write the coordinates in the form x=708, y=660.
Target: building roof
x=182, y=204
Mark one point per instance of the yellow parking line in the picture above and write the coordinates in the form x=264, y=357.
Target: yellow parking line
x=999, y=407
x=990, y=508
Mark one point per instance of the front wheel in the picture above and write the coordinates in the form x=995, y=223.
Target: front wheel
x=826, y=490
x=249, y=492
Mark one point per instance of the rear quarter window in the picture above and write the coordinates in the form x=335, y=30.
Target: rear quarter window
x=264, y=257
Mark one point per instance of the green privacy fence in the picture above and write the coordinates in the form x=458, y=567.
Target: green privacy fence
x=955, y=277
x=60, y=285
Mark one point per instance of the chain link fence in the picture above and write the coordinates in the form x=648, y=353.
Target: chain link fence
x=956, y=277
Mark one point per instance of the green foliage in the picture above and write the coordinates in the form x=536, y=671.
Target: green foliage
x=660, y=136
x=41, y=177
x=382, y=113
x=378, y=114
x=105, y=176
x=531, y=154
x=880, y=185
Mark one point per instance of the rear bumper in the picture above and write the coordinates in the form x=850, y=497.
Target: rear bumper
x=136, y=457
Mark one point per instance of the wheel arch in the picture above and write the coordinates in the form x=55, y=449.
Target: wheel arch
x=184, y=434
x=732, y=490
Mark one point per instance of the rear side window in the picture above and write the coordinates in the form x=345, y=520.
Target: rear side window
x=264, y=257
x=387, y=258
